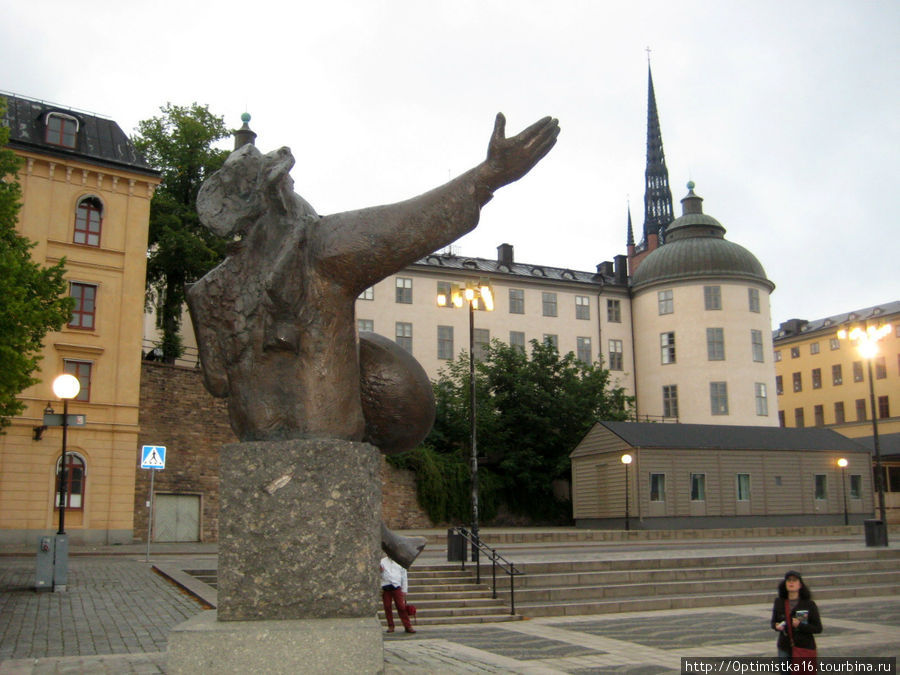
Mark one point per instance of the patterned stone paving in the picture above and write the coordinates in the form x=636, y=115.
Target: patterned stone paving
x=507, y=643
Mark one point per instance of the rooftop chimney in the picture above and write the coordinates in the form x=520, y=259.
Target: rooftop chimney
x=505, y=254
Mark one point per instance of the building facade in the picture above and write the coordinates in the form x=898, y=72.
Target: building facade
x=86, y=198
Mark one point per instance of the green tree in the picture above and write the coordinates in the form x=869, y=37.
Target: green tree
x=532, y=412
x=179, y=143
x=33, y=298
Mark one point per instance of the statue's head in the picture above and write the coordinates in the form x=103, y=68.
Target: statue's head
x=248, y=187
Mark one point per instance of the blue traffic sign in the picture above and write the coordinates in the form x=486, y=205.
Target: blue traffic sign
x=153, y=457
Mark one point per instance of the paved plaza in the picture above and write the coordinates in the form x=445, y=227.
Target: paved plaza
x=117, y=612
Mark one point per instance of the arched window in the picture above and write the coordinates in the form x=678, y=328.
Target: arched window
x=61, y=130
x=76, y=472
x=88, y=221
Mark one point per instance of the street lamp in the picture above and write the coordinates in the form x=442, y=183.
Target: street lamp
x=843, y=464
x=626, y=460
x=66, y=387
x=478, y=295
x=866, y=339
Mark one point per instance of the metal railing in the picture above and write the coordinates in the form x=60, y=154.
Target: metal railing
x=496, y=559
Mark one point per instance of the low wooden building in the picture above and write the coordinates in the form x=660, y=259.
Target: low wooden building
x=705, y=476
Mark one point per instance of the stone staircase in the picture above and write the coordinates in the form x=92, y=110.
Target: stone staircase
x=443, y=593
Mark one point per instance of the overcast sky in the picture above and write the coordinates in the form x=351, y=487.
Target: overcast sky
x=784, y=113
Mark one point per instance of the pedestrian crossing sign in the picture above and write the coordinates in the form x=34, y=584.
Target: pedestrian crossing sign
x=153, y=457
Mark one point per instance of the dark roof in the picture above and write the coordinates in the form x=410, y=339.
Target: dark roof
x=486, y=266
x=722, y=437
x=100, y=140
x=889, y=444
x=797, y=327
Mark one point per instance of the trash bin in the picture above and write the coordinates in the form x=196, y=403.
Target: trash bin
x=876, y=533
x=456, y=546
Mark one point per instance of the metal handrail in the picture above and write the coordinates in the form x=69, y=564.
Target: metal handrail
x=496, y=559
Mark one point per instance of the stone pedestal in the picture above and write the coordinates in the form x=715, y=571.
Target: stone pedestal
x=299, y=545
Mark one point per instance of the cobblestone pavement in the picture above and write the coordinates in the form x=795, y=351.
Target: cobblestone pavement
x=117, y=613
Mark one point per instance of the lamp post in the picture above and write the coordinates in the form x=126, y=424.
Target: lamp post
x=478, y=295
x=843, y=464
x=626, y=460
x=866, y=339
x=66, y=387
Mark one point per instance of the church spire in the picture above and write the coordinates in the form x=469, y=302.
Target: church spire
x=630, y=240
x=657, y=195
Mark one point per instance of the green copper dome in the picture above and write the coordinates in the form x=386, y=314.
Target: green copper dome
x=696, y=248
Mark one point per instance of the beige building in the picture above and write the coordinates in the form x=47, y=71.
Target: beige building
x=704, y=476
x=86, y=197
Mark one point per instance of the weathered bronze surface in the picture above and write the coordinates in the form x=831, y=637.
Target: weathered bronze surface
x=275, y=321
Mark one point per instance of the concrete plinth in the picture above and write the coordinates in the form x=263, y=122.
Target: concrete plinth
x=204, y=645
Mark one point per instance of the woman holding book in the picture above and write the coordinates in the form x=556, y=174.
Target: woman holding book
x=796, y=618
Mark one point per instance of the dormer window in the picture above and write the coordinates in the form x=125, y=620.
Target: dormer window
x=61, y=130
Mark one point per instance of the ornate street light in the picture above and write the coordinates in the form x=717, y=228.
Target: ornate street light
x=66, y=387
x=843, y=464
x=478, y=295
x=866, y=339
x=626, y=460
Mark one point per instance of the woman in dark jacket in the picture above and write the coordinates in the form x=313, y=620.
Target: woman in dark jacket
x=804, y=615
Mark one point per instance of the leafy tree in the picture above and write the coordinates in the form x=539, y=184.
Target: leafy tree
x=179, y=143
x=33, y=298
x=532, y=412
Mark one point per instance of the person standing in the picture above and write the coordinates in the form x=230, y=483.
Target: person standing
x=394, y=584
x=795, y=616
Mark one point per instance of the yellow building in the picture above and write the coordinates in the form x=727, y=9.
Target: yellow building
x=86, y=197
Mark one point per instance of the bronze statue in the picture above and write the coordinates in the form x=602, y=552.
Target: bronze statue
x=275, y=320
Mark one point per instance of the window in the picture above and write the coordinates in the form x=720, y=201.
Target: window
x=445, y=342
x=670, y=400
x=798, y=382
x=821, y=486
x=781, y=419
x=817, y=378
x=616, y=360
x=481, y=338
x=517, y=340
x=855, y=486
x=582, y=307
x=715, y=344
x=718, y=398
x=550, y=339
x=75, y=475
x=88, y=219
x=85, y=296
x=712, y=297
x=778, y=481
x=445, y=290
x=779, y=385
x=667, y=347
x=795, y=352
x=404, y=290
x=839, y=412
x=516, y=301
x=813, y=347
x=365, y=325
x=82, y=371
x=860, y=410
x=836, y=375
x=61, y=130
x=819, y=415
x=368, y=294
x=614, y=311
x=884, y=410
x=834, y=343
x=403, y=335
x=777, y=356
x=583, y=349
x=698, y=487
x=666, y=302
x=756, y=342
x=880, y=368
x=742, y=485
x=548, y=303
x=762, y=401
x=799, y=420
x=657, y=487
x=753, y=298
x=857, y=371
